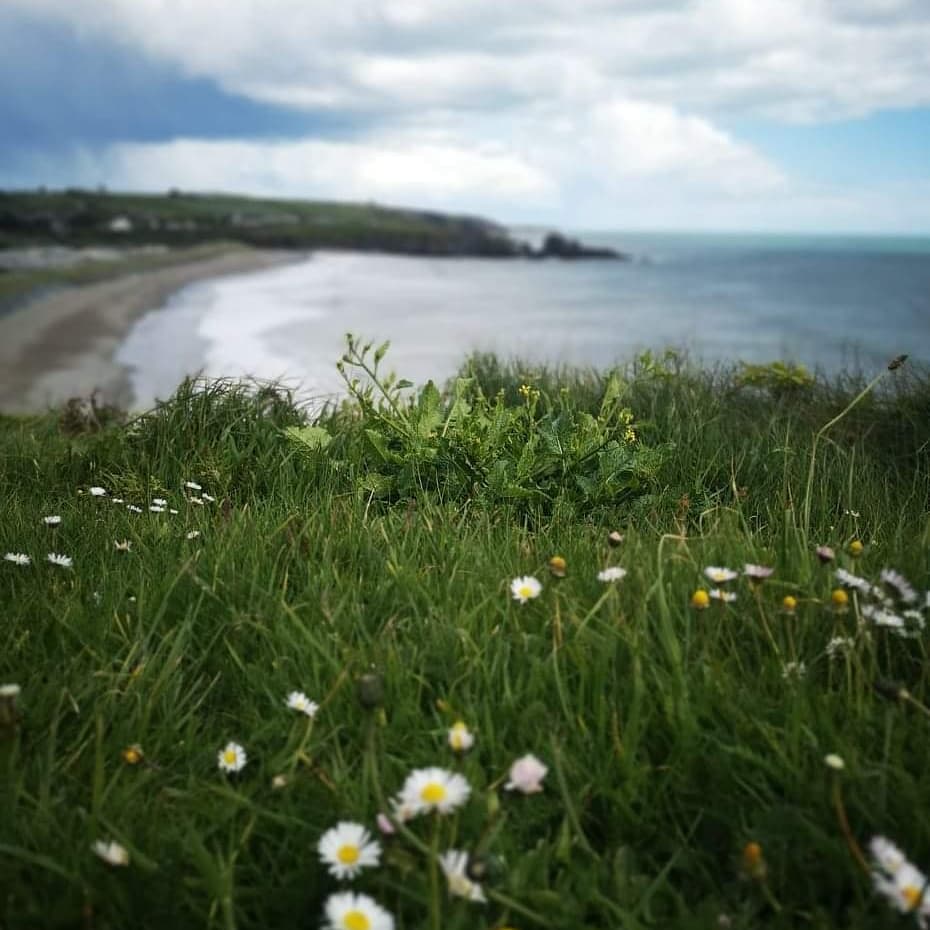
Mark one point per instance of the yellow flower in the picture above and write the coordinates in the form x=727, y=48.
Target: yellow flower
x=855, y=548
x=132, y=755
x=700, y=599
x=839, y=598
x=557, y=566
x=789, y=603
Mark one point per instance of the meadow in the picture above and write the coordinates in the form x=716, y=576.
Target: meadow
x=262, y=624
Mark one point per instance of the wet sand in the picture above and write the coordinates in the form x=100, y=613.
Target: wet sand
x=63, y=345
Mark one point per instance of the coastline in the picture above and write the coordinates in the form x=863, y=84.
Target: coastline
x=62, y=344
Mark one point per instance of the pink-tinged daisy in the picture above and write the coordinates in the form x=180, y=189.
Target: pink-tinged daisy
x=454, y=864
x=825, y=554
x=348, y=848
x=526, y=775
x=350, y=911
x=525, y=588
x=431, y=789
x=757, y=572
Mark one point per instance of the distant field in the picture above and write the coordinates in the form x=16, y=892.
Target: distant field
x=713, y=760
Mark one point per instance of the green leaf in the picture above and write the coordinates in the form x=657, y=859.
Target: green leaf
x=428, y=416
x=311, y=438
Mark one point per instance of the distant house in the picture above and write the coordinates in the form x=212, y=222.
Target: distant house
x=120, y=224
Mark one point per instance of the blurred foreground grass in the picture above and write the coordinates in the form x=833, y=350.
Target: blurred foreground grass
x=676, y=738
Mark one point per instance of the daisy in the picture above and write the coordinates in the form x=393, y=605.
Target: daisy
x=757, y=572
x=133, y=508
x=122, y=546
x=209, y=499
x=615, y=573
x=720, y=575
x=432, y=789
x=905, y=890
x=18, y=558
x=897, y=581
x=10, y=691
x=232, y=758
x=834, y=761
x=461, y=739
x=886, y=855
x=839, y=645
x=793, y=670
x=454, y=865
x=195, y=500
x=157, y=508
x=98, y=492
x=159, y=502
x=849, y=580
x=299, y=701
x=52, y=521
x=111, y=853
x=525, y=589
x=614, y=538
x=825, y=554
x=526, y=775
x=172, y=510
x=65, y=561
x=193, y=485
x=726, y=597
x=348, y=848
x=350, y=911
x=117, y=500
x=193, y=534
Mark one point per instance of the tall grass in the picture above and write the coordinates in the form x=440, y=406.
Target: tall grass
x=673, y=736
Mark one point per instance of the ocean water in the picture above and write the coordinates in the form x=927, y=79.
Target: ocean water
x=831, y=303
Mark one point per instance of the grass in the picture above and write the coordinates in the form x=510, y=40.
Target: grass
x=673, y=739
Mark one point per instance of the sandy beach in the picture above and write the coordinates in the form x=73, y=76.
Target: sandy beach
x=62, y=345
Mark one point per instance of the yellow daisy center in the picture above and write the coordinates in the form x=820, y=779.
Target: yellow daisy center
x=229, y=757
x=356, y=920
x=433, y=793
x=348, y=854
x=911, y=895
x=525, y=591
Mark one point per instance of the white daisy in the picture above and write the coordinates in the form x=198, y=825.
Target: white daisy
x=193, y=534
x=718, y=594
x=10, y=691
x=905, y=890
x=111, y=853
x=193, y=485
x=720, y=575
x=232, y=758
x=299, y=701
x=834, y=761
x=172, y=510
x=52, y=521
x=350, y=911
x=195, y=500
x=886, y=855
x=757, y=572
x=526, y=775
x=159, y=502
x=207, y=497
x=432, y=789
x=65, y=561
x=117, y=500
x=454, y=865
x=461, y=739
x=849, y=580
x=793, y=670
x=897, y=581
x=614, y=573
x=525, y=589
x=98, y=492
x=124, y=545
x=157, y=508
x=348, y=848
x=18, y=558
x=839, y=646
x=133, y=508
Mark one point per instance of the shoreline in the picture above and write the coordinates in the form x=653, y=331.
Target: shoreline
x=63, y=344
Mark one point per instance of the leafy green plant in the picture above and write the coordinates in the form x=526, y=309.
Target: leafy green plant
x=778, y=378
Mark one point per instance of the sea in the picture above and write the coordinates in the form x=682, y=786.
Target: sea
x=831, y=303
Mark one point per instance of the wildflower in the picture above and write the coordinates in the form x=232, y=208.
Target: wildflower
x=299, y=701
x=526, y=775
x=557, y=566
x=384, y=824
x=193, y=485
x=193, y=534
x=18, y=558
x=900, y=584
x=111, y=853
x=207, y=497
x=98, y=492
x=350, y=911
x=432, y=789
x=835, y=762
x=839, y=598
x=124, y=545
x=903, y=884
x=852, y=513
x=795, y=670
x=720, y=575
x=133, y=508
x=195, y=500
x=754, y=861
x=855, y=548
x=157, y=508
x=279, y=782
x=9, y=714
x=454, y=864
x=172, y=510
x=887, y=856
x=614, y=538
x=65, y=561
x=849, y=580
x=461, y=739
x=10, y=691
x=525, y=589
x=700, y=600
x=52, y=521
x=159, y=502
x=614, y=573
x=348, y=848
x=117, y=500
x=789, y=604
x=725, y=597
x=132, y=755
x=839, y=645
x=825, y=554
x=232, y=758
x=757, y=573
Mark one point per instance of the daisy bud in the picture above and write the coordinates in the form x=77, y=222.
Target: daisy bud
x=839, y=598
x=370, y=690
x=132, y=755
x=825, y=554
x=9, y=712
x=385, y=825
x=835, y=762
x=614, y=538
x=789, y=604
x=855, y=548
x=557, y=566
x=700, y=600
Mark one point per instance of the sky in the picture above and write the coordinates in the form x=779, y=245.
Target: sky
x=768, y=115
